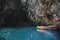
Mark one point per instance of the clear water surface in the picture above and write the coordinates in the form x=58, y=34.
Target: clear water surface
x=26, y=33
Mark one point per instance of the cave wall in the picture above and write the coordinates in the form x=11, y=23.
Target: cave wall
x=38, y=10
x=13, y=13
x=27, y=12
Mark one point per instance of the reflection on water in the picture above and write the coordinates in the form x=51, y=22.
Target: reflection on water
x=27, y=33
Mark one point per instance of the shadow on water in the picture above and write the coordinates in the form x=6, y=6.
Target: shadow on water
x=2, y=38
x=58, y=34
x=15, y=27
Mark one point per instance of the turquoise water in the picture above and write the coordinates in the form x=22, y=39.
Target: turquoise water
x=25, y=33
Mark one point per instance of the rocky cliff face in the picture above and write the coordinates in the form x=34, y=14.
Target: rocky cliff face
x=39, y=9
x=25, y=12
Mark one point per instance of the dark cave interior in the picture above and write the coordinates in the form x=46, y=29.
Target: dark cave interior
x=13, y=17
